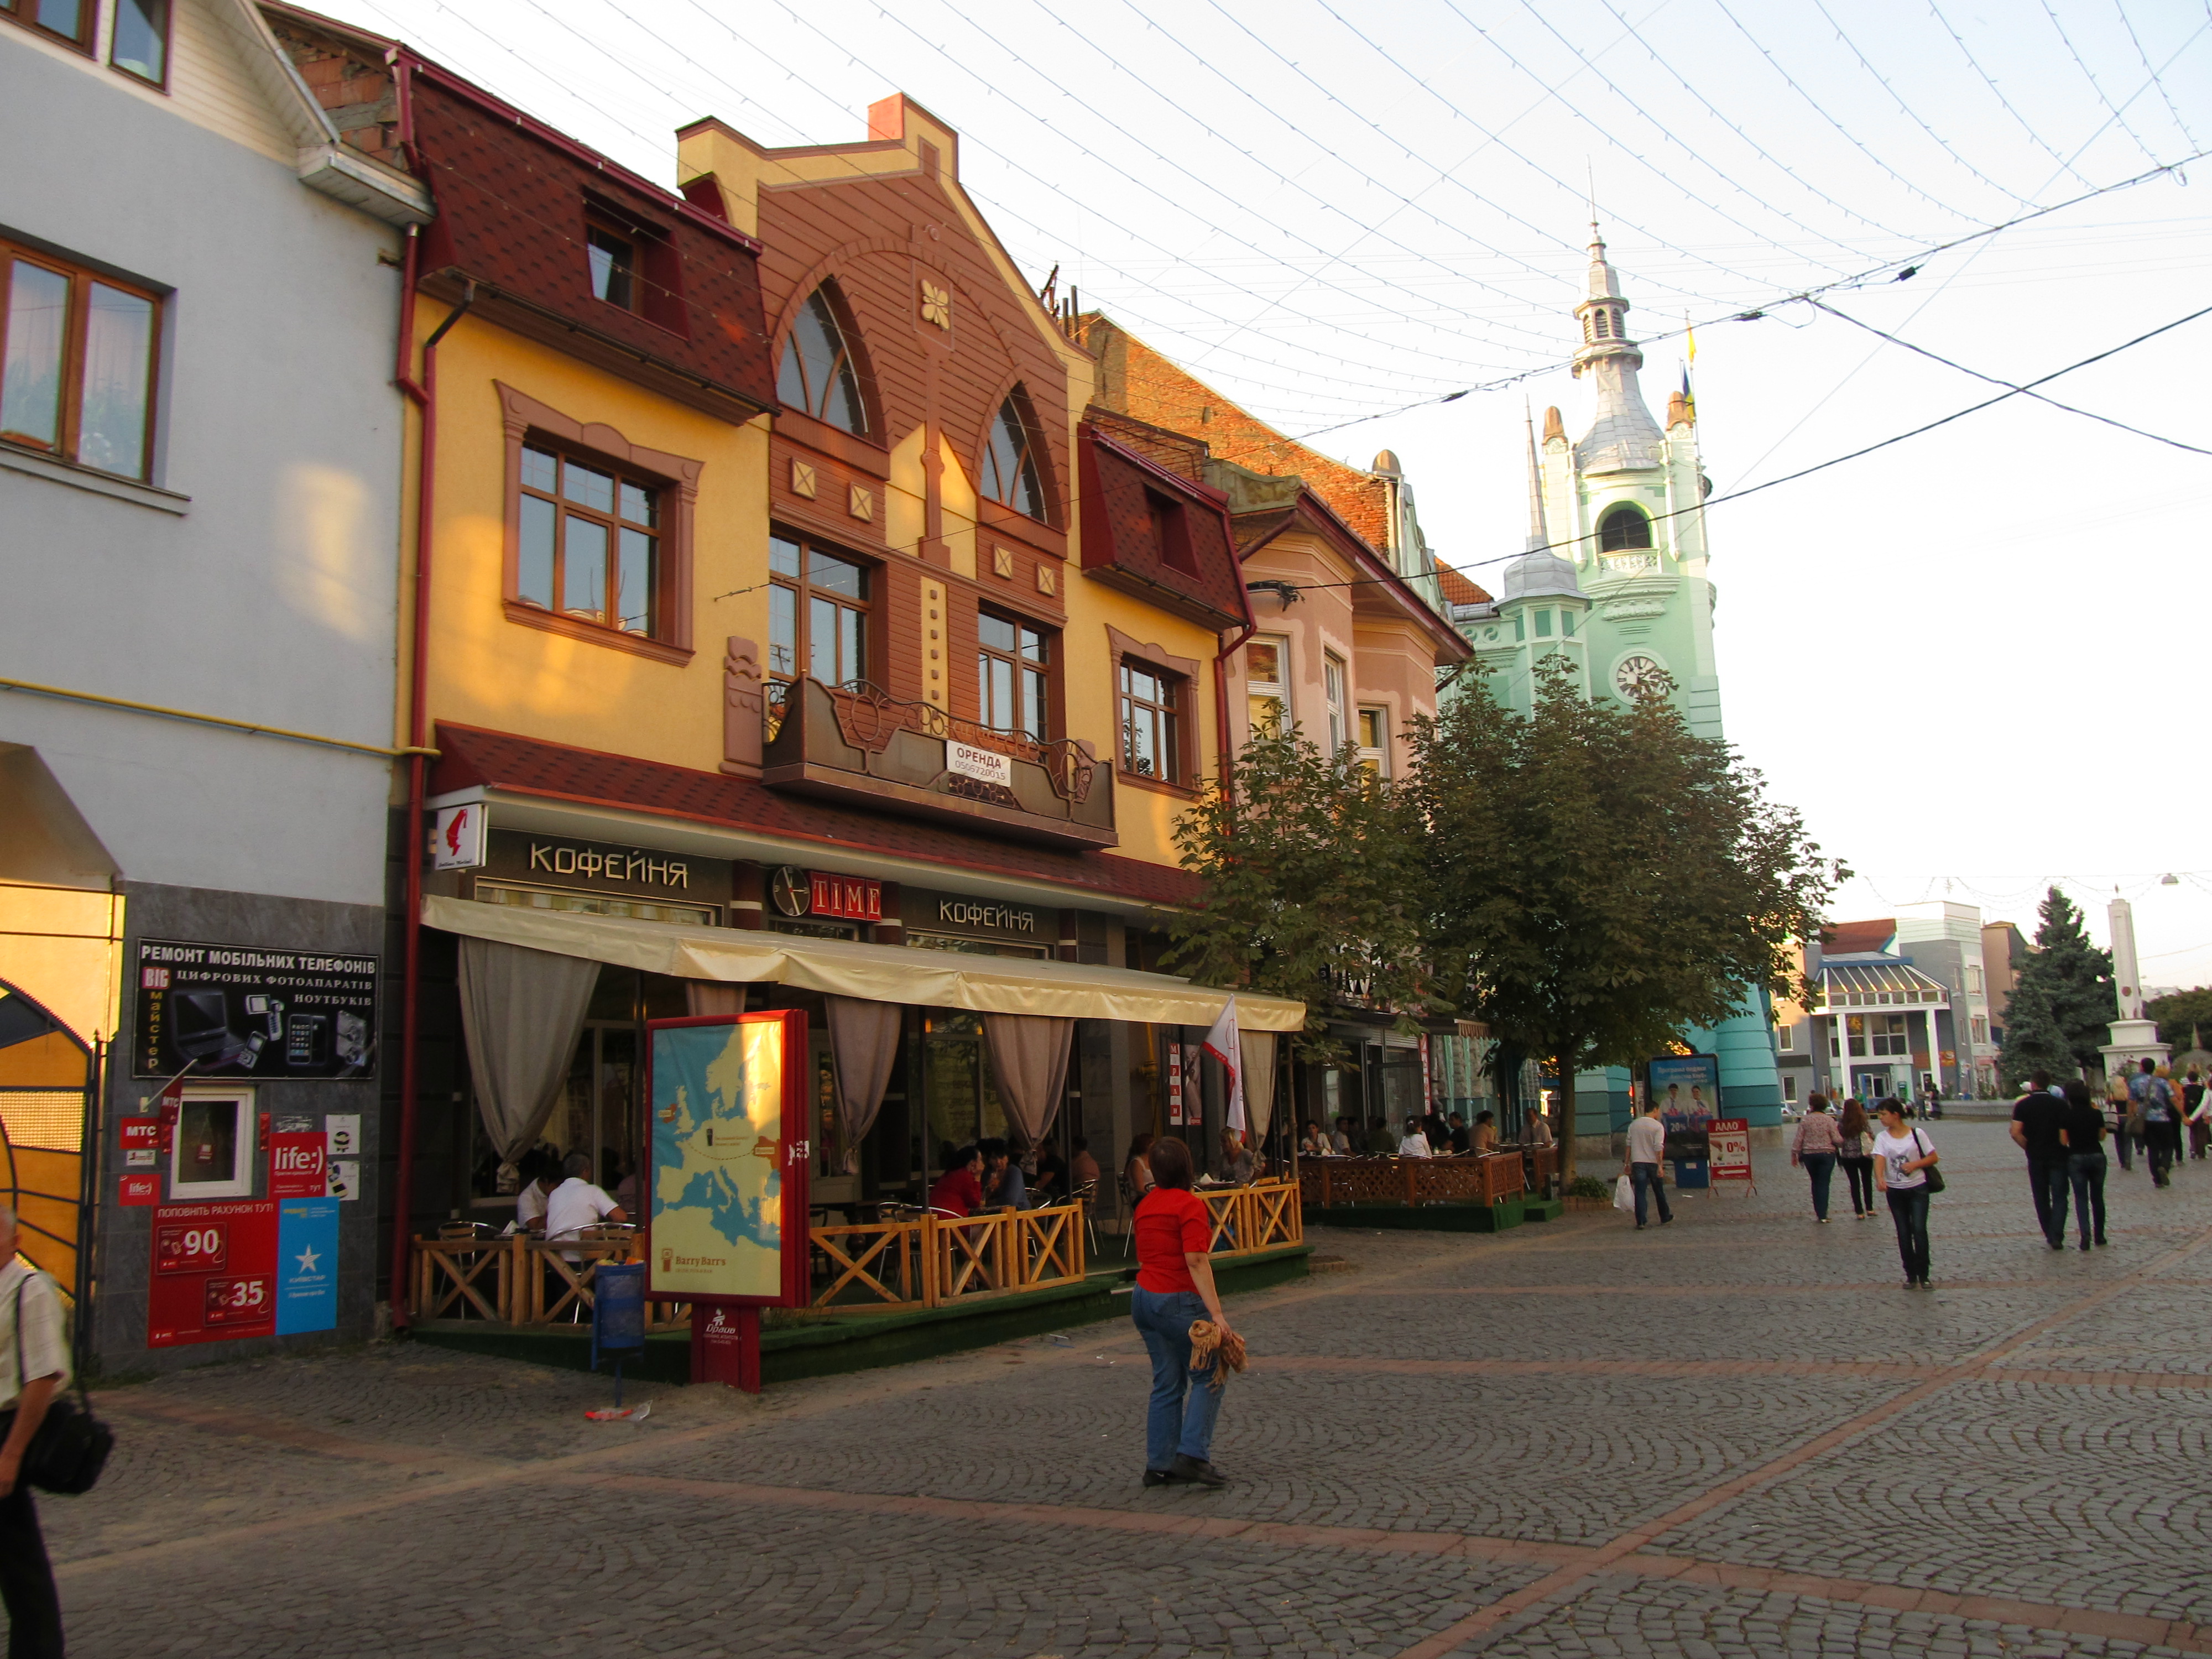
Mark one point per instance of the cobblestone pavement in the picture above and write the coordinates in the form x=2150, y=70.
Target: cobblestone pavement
x=1737, y=1435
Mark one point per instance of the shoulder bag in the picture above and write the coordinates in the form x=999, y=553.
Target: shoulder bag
x=1934, y=1171
x=70, y=1448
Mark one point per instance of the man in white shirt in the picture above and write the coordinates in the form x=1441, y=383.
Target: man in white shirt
x=26, y=1581
x=1647, y=1140
x=577, y=1204
x=1414, y=1143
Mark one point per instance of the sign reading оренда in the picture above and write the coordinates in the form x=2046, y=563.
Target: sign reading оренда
x=245, y=1011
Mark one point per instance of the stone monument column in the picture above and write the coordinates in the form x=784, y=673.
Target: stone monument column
x=2135, y=1039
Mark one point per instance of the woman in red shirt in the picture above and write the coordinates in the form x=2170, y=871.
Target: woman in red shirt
x=959, y=1190
x=1175, y=1286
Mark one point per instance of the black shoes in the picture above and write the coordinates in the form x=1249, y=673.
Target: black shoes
x=1195, y=1470
x=1157, y=1477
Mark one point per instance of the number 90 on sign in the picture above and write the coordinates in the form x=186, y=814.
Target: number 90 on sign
x=237, y=1302
x=198, y=1249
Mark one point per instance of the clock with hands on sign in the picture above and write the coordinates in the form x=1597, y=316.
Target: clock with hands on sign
x=1640, y=677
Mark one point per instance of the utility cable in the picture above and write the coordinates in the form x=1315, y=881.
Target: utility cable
x=1820, y=304
x=2089, y=75
x=1997, y=91
x=2128, y=23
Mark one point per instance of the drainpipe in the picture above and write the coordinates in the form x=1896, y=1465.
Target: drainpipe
x=424, y=396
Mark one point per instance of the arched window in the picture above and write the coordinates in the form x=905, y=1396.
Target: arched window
x=1010, y=468
x=818, y=374
x=1624, y=527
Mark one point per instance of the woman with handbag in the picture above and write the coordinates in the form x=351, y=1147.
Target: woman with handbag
x=1815, y=1149
x=1856, y=1156
x=1905, y=1168
x=31, y=1347
x=1174, y=1293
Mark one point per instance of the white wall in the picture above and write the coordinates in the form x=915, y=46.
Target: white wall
x=273, y=596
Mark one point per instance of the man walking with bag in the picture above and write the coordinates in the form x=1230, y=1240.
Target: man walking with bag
x=30, y=1347
x=2152, y=1097
x=1647, y=1141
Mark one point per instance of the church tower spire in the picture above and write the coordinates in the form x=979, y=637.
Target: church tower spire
x=1623, y=437
x=1539, y=532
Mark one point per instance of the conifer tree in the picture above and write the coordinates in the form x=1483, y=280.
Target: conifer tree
x=2075, y=980
x=2032, y=1041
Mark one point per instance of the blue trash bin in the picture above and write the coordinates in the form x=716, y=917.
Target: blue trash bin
x=617, y=1313
x=1693, y=1174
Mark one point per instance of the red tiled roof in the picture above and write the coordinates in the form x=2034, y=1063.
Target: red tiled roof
x=1844, y=938
x=470, y=756
x=1457, y=589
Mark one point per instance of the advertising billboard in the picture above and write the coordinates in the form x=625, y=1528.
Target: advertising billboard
x=234, y=1010
x=1688, y=1089
x=727, y=1159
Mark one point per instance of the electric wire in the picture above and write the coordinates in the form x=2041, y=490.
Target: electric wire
x=2089, y=75
x=1997, y=92
x=1993, y=380
x=1667, y=133
x=1884, y=82
x=2172, y=109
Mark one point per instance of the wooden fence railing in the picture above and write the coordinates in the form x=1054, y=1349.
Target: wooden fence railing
x=1261, y=1216
x=1485, y=1178
x=885, y=1267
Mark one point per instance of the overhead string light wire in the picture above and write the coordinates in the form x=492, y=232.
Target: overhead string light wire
x=1997, y=92
x=2090, y=76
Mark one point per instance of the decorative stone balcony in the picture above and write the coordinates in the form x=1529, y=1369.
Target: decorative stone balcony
x=858, y=745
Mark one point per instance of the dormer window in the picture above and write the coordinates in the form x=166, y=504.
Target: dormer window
x=1009, y=468
x=613, y=258
x=818, y=373
x=1624, y=528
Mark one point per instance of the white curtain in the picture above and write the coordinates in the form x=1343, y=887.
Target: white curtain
x=1028, y=1059
x=713, y=996
x=864, y=1039
x=521, y=1012
x=1259, y=1051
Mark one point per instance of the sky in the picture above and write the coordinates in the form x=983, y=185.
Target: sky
x=1968, y=659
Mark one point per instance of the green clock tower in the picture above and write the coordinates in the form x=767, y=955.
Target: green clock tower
x=1615, y=579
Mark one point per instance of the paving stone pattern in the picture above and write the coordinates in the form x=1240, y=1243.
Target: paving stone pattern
x=1734, y=1436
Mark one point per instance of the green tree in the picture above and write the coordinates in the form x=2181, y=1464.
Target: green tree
x=2033, y=1042
x=2182, y=1018
x=1310, y=877
x=1600, y=880
x=2075, y=981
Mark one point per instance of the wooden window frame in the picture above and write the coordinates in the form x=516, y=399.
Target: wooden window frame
x=870, y=597
x=168, y=46
x=1018, y=400
x=1335, y=701
x=853, y=352
x=1612, y=515
x=70, y=419
x=526, y=418
x=1374, y=756
x=1279, y=689
x=1160, y=660
x=88, y=24
x=1046, y=669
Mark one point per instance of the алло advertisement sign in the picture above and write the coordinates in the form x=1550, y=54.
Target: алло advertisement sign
x=244, y=1012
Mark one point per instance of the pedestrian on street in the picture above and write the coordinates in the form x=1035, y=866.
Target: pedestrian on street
x=2035, y=1130
x=2197, y=1112
x=26, y=1581
x=1174, y=1289
x=1903, y=1156
x=2123, y=1118
x=2152, y=1097
x=1855, y=1153
x=1814, y=1150
x=1647, y=1140
x=2081, y=1127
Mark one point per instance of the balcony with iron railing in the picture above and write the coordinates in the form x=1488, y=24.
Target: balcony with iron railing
x=857, y=744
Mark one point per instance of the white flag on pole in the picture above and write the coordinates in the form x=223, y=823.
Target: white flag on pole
x=1222, y=1044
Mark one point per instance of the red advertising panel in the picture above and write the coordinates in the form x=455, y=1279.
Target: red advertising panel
x=857, y=898
x=140, y=1191
x=1730, y=1138
x=215, y=1272
x=298, y=1165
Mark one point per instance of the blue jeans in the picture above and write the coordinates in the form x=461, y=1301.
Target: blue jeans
x=1821, y=1166
x=2085, y=1170
x=1184, y=1404
x=1645, y=1177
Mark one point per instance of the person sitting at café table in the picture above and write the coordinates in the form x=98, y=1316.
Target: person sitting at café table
x=577, y=1204
x=1538, y=1130
x=1138, y=1172
x=1380, y=1141
x=1413, y=1143
x=1050, y=1186
x=1485, y=1132
x=1312, y=1143
x=1456, y=1138
x=1083, y=1168
x=959, y=1190
x=1339, y=1141
x=1004, y=1187
x=542, y=1174
x=1235, y=1157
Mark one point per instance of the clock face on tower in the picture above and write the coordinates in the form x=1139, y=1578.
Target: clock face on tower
x=1639, y=677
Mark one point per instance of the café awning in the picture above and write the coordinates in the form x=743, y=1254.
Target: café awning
x=880, y=973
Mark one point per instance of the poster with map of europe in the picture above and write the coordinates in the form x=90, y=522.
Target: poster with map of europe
x=728, y=1210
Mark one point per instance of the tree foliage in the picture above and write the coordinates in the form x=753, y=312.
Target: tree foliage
x=2182, y=1017
x=1311, y=874
x=2032, y=1040
x=2074, y=980
x=1599, y=880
